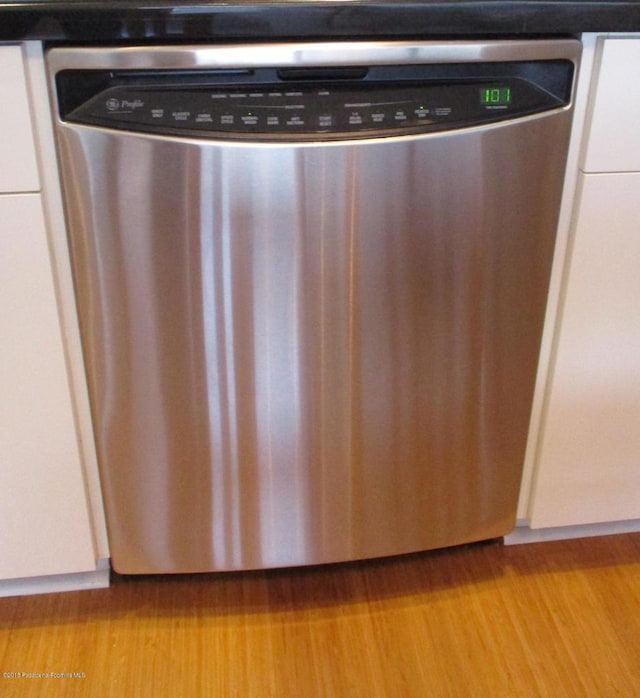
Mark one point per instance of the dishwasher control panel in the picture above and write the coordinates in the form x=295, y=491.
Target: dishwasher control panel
x=250, y=104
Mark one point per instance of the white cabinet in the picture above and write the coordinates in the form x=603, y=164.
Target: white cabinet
x=613, y=143
x=44, y=520
x=18, y=169
x=48, y=534
x=588, y=454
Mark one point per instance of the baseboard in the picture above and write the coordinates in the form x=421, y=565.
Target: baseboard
x=523, y=534
x=98, y=579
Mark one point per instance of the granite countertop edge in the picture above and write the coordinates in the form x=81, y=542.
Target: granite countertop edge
x=128, y=21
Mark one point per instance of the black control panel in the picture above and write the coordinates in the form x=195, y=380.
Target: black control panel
x=279, y=109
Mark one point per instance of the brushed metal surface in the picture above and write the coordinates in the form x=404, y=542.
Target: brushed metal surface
x=306, y=353
x=327, y=53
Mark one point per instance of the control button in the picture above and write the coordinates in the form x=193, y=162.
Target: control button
x=421, y=112
x=227, y=120
x=249, y=119
x=378, y=117
x=204, y=118
x=273, y=121
x=400, y=115
x=325, y=120
x=181, y=115
x=355, y=118
x=157, y=113
x=443, y=111
x=295, y=120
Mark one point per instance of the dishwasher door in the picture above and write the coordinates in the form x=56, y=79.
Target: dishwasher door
x=315, y=348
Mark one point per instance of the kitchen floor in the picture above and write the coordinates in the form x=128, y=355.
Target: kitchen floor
x=546, y=619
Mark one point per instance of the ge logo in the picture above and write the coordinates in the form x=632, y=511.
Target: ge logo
x=113, y=104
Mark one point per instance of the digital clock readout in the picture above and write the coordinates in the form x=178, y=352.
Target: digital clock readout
x=495, y=96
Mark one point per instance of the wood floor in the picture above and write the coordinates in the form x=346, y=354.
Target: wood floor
x=549, y=619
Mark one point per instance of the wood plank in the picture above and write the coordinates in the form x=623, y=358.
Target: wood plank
x=547, y=619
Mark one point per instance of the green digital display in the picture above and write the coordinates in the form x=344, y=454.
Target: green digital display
x=495, y=96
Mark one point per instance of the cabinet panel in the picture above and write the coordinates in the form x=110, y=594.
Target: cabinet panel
x=589, y=456
x=614, y=136
x=44, y=521
x=18, y=168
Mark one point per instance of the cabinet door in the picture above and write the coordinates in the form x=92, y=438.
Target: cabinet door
x=589, y=457
x=18, y=169
x=44, y=521
x=614, y=136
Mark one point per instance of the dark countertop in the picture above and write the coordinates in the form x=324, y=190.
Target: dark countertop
x=143, y=21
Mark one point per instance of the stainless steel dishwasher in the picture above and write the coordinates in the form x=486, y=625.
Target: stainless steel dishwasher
x=311, y=281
